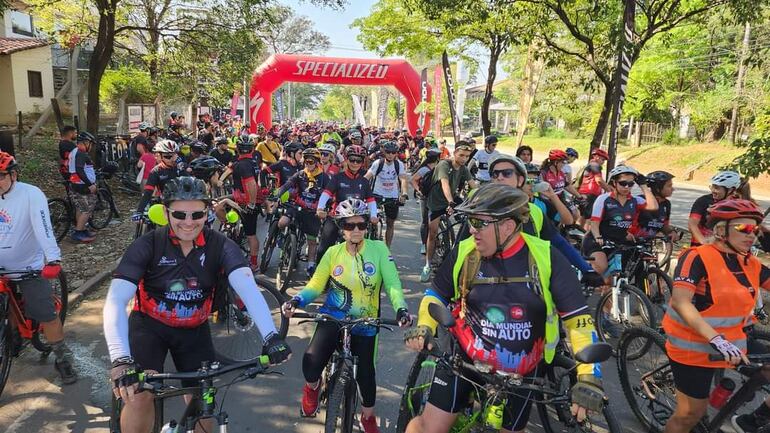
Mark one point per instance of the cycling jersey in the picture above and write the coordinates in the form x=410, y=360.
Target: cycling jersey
x=650, y=223
x=269, y=150
x=82, y=173
x=307, y=188
x=345, y=185
x=174, y=289
x=225, y=158
x=244, y=171
x=589, y=184
x=65, y=148
x=483, y=158
x=557, y=180
x=386, y=183
x=699, y=212
x=353, y=283
x=27, y=239
x=159, y=176
x=615, y=219
x=283, y=170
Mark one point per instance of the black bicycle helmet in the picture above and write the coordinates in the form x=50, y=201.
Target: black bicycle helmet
x=185, y=188
x=389, y=146
x=657, y=179
x=431, y=156
x=86, y=136
x=198, y=146
x=293, y=148
x=490, y=139
x=498, y=201
x=244, y=146
x=203, y=167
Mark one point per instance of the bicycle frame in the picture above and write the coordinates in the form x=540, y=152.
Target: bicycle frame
x=26, y=327
x=744, y=394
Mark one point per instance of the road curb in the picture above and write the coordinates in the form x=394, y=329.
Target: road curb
x=91, y=284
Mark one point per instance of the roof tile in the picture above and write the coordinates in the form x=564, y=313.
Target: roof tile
x=12, y=45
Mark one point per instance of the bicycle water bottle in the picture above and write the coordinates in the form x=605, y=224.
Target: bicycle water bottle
x=494, y=414
x=232, y=217
x=722, y=393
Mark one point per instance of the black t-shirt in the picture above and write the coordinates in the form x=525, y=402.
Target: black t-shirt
x=283, y=170
x=700, y=211
x=345, y=185
x=650, y=223
x=509, y=318
x=140, y=139
x=159, y=175
x=174, y=289
x=244, y=169
x=225, y=158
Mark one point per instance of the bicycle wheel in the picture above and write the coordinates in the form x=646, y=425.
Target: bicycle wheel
x=267, y=249
x=759, y=342
x=658, y=286
x=117, y=407
x=416, y=390
x=338, y=417
x=443, y=241
x=102, y=213
x=646, y=377
x=235, y=336
x=60, y=294
x=61, y=217
x=663, y=248
x=6, y=343
x=634, y=309
x=287, y=262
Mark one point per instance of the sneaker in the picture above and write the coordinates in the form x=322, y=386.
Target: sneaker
x=422, y=249
x=309, y=401
x=425, y=275
x=369, y=425
x=82, y=237
x=611, y=329
x=67, y=373
x=310, y=270
x=747, y=423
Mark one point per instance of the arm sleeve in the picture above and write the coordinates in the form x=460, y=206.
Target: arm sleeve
x=242, y=281
x=115, y=317
x=80, y=168
x=323, y=200
x=41, y=225
x=570, y=253
x=390, y=280
x=317, y=283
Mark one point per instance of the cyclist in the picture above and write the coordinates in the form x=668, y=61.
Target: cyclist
x=425, y=169
x=246, y=193
x=270, y=150
x=448, y=177
x=146, y=162
x=140, y=138
x=553, y=173
x=82, y=186
x=222, y=152
x=329, y=159
x=479, y=164
x=715, y=291
x=591, y=182
x=650, y=223
x=388, y=179
x=171, y=273
x=289, y=165
x=541, y=194
x=352, y=274
x=330, y=134
x=723, y=185
x=68, y=134
x=165, y=170
x=307, y=184
x=572, y=156
x=524, y=153
x=27, y=241
x=349, y=183
x=505, y=318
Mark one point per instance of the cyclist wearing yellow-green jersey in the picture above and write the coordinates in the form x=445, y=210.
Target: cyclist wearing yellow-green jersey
x=352, y=275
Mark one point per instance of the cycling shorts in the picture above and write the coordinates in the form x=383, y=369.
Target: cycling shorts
x=588, y=206
x=150, y=341
x=307, y=220
x=451, y=393
x=390, y=206
x=38, y=300
x=696, y=382
x=249, y=221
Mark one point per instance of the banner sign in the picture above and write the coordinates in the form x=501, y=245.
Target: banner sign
x=134, y=117
x=437, y=99
x=234, y=103
x=450, y=94
x=382, y=109
x=279, y=103
x=358, y=111
x=423, y=96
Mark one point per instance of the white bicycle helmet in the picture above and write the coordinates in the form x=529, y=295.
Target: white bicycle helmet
x=517, y=163
x=622, y=169
x=165, y=146
x=727, y=179
x=350, y=208
x=327, y=147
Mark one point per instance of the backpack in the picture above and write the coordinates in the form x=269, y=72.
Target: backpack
x=426, y=182
x=578, y=179
x=379, y=170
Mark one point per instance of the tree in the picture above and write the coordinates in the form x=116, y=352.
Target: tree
x=337, y=104
x=293, y=34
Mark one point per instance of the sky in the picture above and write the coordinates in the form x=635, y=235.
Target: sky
x=336, y=25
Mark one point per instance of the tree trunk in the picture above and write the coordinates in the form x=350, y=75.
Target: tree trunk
x=99, y=61
x=494, y=56
x=739, y=82
x=604, y=117
x=533, y=70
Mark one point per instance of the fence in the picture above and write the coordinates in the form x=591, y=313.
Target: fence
x=638, y=133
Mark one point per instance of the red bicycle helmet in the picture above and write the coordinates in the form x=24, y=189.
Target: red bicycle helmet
x=7, y=162
x=731, y=209
x=600, y=153
x=355, y=150
x=557, y=154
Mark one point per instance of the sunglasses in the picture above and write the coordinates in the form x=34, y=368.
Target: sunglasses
x=479, y=224
x=746, y=229
x=355, y=160
x=506, y=172
x=388, y=152
x=310, y=161
x=326, y=154
x=626, y=183
x=167, y=155
x=182, y=215
x=350, y=226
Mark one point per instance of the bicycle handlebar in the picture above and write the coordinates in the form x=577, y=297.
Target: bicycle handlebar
x=371, y=321
x=254, y=367
x=22, y=274
x=758, y=359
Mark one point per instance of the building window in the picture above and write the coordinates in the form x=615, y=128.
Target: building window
x=21, y=23
x=35, y=80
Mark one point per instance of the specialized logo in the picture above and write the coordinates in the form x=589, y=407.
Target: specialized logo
x=338, y=270
x=254, y=103
x=336, y=69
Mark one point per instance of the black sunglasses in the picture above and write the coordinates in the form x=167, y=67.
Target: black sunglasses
x=626, y=183
x=355, y=160
x=182, y=215
x=310, y=161
x=506, y=172
x=391, y=152
x=350, y=226
x=167, y=155
x=479, y=224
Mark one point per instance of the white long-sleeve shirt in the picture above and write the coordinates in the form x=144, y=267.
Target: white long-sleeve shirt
x=27, y=239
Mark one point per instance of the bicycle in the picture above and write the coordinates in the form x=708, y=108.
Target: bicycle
x=648, y=384
x=642, y=268
x=377, y=231
x=273, y=235
x=338, y=385
x=62, y=210
x=15, y=327
x=235, y=336
x=446, y=236
x=203, y=404
x=294, y=240
x=484, y=413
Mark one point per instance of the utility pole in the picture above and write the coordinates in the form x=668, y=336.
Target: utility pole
x=74, y=84
x=739, y=83
x=621, y=78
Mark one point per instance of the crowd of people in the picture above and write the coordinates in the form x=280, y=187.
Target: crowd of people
x=510, y=254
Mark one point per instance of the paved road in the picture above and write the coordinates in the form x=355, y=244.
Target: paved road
x=34, y=400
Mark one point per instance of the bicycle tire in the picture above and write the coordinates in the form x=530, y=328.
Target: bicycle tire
x=351, y=402
x=416, y=391
x=761, y=334
x=443, y=242
x=664, y=248
x=646, y=310
x=102, y=213
x=60, y=293
x=659, y=291
x=117, y=406
x=235, y=336
x=61, y=217
x=661, y=380
x=267, y=249
x=336, y=406
x=287, y=262
x=6, y=344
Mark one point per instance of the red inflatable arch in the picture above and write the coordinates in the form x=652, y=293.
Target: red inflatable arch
x=280, y=68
